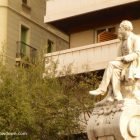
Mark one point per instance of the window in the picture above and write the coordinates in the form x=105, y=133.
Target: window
x=26, y=5
x=106, y=34
x=26, y=54
x=25, y=2
x=24, y=40
x=50, y=46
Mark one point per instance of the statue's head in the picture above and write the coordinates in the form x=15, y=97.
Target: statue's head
x=126, y=25
x=125, y=28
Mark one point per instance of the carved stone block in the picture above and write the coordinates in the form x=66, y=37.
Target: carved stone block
x=116, y=121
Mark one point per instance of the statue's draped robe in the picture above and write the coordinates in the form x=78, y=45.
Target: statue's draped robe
x=132, y=70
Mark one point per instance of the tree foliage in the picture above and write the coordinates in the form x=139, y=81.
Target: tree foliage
x=43, y=108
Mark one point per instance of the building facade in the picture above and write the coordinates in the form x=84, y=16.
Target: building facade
x=92, y=29
x=23, y=32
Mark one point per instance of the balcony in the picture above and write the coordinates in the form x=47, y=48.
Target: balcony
x=82, y=59
x=68, y=15
x=25, y=54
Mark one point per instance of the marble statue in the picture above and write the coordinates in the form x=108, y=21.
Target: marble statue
x=120, y=118
x=125, y=67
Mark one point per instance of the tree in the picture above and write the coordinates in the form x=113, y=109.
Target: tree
x=43, y=108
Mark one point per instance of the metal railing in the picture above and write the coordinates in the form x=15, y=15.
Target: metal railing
x=26, y=52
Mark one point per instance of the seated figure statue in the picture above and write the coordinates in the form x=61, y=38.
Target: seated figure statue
x=129, y=59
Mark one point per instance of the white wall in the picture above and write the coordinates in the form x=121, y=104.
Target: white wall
x=3, y=2
x=59, y=9
x=3, y=28
x=13, y=15
x=82, y=38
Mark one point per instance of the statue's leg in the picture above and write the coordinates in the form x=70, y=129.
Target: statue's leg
x=109, y=72
x=116, y=79
x=116, y=76
x=110, y=96
x=106, y=79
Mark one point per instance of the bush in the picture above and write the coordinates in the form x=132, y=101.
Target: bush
x=43, y=108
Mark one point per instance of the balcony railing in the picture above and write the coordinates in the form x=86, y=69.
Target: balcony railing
x=25, y=53
x=83, y=59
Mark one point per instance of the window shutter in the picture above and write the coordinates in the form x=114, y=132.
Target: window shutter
x=106, y=36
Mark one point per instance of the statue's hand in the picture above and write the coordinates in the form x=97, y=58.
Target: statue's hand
x=126, y=59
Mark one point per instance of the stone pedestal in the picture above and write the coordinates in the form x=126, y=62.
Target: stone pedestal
x=116, y=121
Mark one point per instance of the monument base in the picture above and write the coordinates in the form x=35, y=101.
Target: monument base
x=115, y=121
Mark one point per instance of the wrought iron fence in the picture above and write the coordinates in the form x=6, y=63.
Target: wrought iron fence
x=26, y=52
